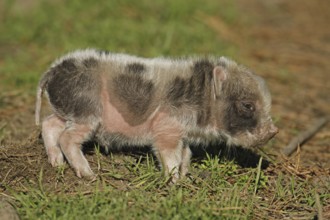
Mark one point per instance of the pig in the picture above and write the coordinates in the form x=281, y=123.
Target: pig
x=169, y=104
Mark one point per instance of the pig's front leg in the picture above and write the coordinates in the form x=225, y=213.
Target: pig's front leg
x=70, y=141
x=169, y=154
x=174, y=156
x=186, y=156
x=169, y=147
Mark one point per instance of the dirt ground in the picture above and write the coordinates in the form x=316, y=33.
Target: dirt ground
x=289, y=45
x=293, y=45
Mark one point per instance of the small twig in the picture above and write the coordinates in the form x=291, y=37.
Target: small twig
x=22, y=155
x=4, y=179
x=298, y=160
x=301, y=138
x=7, y=196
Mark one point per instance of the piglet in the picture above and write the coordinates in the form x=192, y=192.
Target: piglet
x=168, y=104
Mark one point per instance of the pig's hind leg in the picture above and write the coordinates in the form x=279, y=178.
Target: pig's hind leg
x=71, y=141
x=52, y=127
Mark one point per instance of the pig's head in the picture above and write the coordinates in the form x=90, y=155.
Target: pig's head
x=242, y=105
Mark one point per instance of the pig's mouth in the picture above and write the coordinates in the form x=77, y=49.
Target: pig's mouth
x=253, y=139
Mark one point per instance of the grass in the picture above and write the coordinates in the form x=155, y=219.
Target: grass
x=49, y=29
x=132, y=187
x=148, y=195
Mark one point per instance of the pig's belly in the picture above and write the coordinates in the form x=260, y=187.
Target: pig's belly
x=117, y=139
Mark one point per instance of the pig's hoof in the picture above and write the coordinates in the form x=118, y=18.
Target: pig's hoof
x=92, y=178
x=55, y=156
x=86, y=174
x=56, y=160
x=173, y=179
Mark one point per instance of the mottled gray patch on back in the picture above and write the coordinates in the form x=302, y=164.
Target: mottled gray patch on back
x=90, y=62
x=136, y=93
x=136, y=68
x=74, y=90
x=203, y=116
x=194, y=91
x=176, y=91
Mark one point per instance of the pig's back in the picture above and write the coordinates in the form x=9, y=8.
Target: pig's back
x=135, y=85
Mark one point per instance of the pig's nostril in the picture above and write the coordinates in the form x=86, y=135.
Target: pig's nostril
x=273, y=131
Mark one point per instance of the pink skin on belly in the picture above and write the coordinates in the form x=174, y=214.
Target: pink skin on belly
x=114, y=122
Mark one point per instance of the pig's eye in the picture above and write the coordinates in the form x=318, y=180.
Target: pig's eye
x=246, y=109
x=248, y=106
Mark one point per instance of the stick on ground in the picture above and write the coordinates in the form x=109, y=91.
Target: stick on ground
x=301, y=138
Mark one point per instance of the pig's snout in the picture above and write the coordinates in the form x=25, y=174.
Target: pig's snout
x=273, y=130
x=266, y=133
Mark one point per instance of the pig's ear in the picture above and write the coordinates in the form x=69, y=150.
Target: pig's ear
x=219, y=76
